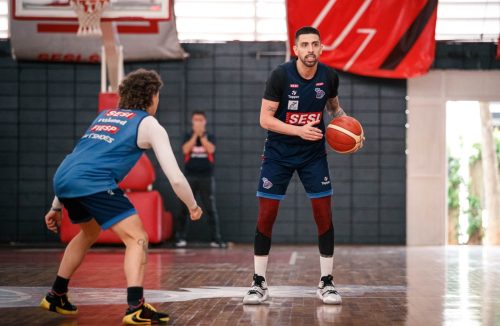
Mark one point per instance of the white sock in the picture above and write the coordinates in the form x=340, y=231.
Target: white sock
x=260, y=263
x=326, y=264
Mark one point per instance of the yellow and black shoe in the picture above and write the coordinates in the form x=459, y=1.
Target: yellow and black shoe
x=146, y=314
x=59, y=304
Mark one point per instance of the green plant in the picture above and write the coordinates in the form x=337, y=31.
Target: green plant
x=475, y=229
x=454, y=181
x=478, y=151
x=476, y=156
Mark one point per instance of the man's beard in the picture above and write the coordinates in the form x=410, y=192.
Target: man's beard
x=309, y=63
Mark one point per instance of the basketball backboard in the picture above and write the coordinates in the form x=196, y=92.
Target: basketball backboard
x=116, y=10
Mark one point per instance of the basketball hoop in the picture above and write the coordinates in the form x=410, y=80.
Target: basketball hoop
x=89, y=14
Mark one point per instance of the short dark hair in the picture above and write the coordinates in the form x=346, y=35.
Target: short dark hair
x=138, y=88
x=306, y=30
x=198, y=112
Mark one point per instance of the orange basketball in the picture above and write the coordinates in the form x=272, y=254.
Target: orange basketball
x=344, y=135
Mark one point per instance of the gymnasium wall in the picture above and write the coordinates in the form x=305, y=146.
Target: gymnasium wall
x=47, y=106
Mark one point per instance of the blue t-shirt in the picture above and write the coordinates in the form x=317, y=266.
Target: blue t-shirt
x=300, y=102
x=103, y=156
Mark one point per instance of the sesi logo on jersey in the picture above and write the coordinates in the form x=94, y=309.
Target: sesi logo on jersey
x=299, y=119
x=120, y=114
x=105, y=128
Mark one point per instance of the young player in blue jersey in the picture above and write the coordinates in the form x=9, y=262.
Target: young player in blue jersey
x=296, y=95
x=86, y=185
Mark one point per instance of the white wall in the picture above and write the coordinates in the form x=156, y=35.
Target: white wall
x=426, y=199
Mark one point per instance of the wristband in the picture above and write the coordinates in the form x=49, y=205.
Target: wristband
x=56, y=209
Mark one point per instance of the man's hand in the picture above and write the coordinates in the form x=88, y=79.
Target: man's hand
x=53, y=220
x=195, y=213
x=198, y=129
x=308, y=132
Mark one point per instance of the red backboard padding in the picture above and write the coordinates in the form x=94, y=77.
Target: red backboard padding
x=108, y=101
x=140, y=177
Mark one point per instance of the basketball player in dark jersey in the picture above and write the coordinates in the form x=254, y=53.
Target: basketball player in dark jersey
x=296, y=95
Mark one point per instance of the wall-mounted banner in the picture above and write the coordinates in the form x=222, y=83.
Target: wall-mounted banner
x=379, y=38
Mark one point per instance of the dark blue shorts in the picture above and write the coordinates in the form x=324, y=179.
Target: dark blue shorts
x=107, y=208
x=275, y=176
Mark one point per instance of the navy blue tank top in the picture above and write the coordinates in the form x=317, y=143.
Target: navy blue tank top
x=300, y=101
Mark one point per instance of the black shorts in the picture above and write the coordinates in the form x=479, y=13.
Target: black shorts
x=275, y=177
x=107, y=208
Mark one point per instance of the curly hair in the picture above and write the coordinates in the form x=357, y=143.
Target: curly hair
x=138, y=88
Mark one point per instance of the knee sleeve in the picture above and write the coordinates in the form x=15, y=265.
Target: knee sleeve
x=262, y=244
x=326, y=243
x=322, y=210
x=268, y=210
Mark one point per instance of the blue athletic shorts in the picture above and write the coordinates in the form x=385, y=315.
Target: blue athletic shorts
x=107, y=208
x=275, y=176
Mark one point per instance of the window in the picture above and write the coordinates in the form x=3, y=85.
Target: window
x=468, y=20
x=226, y=20
x=262, y=20
x=4, y=19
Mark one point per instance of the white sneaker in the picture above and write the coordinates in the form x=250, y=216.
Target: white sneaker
x=326, y=291
x=180, y=243
x=258, y=292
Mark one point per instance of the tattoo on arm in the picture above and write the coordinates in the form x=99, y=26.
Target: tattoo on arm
x=144, y=245
x=334, y=108
x=271, y=109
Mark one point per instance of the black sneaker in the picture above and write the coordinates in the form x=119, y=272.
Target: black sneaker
x=59, y=304
x=146, y=314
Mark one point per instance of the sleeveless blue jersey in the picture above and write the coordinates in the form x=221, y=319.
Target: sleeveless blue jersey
x=103, y=156
x=300, y=102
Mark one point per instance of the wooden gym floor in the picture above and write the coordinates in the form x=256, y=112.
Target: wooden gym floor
x=380, y=285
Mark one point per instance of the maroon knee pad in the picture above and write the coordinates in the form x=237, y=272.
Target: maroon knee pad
x=322, y=211
x=268, y=211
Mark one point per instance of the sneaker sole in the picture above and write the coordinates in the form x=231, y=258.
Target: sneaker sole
x=128, y=320
x=256, y=302
x=44, y=304
x=337, y=302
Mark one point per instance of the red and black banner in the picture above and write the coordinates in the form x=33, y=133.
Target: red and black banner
x=379, y=38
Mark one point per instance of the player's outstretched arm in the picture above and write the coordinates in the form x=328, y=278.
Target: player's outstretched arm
x=269, y=122
x=152, y=135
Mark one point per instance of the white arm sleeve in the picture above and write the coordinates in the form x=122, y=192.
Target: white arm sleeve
x=56, y=203
x=152, y=135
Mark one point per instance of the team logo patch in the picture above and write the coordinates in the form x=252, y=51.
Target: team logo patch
x=120, y=114
x=301, y=118
x=319, y=93
x=293, y=105
x=293, y=95
x=105, y=128
x=325, y=181
x=266, y=184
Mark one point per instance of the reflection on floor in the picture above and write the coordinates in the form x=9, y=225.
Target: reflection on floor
x=380, y=285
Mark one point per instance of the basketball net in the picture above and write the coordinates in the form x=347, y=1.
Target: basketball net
x=89, y=14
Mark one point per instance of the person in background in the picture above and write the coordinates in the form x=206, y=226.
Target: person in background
x=198, y=149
